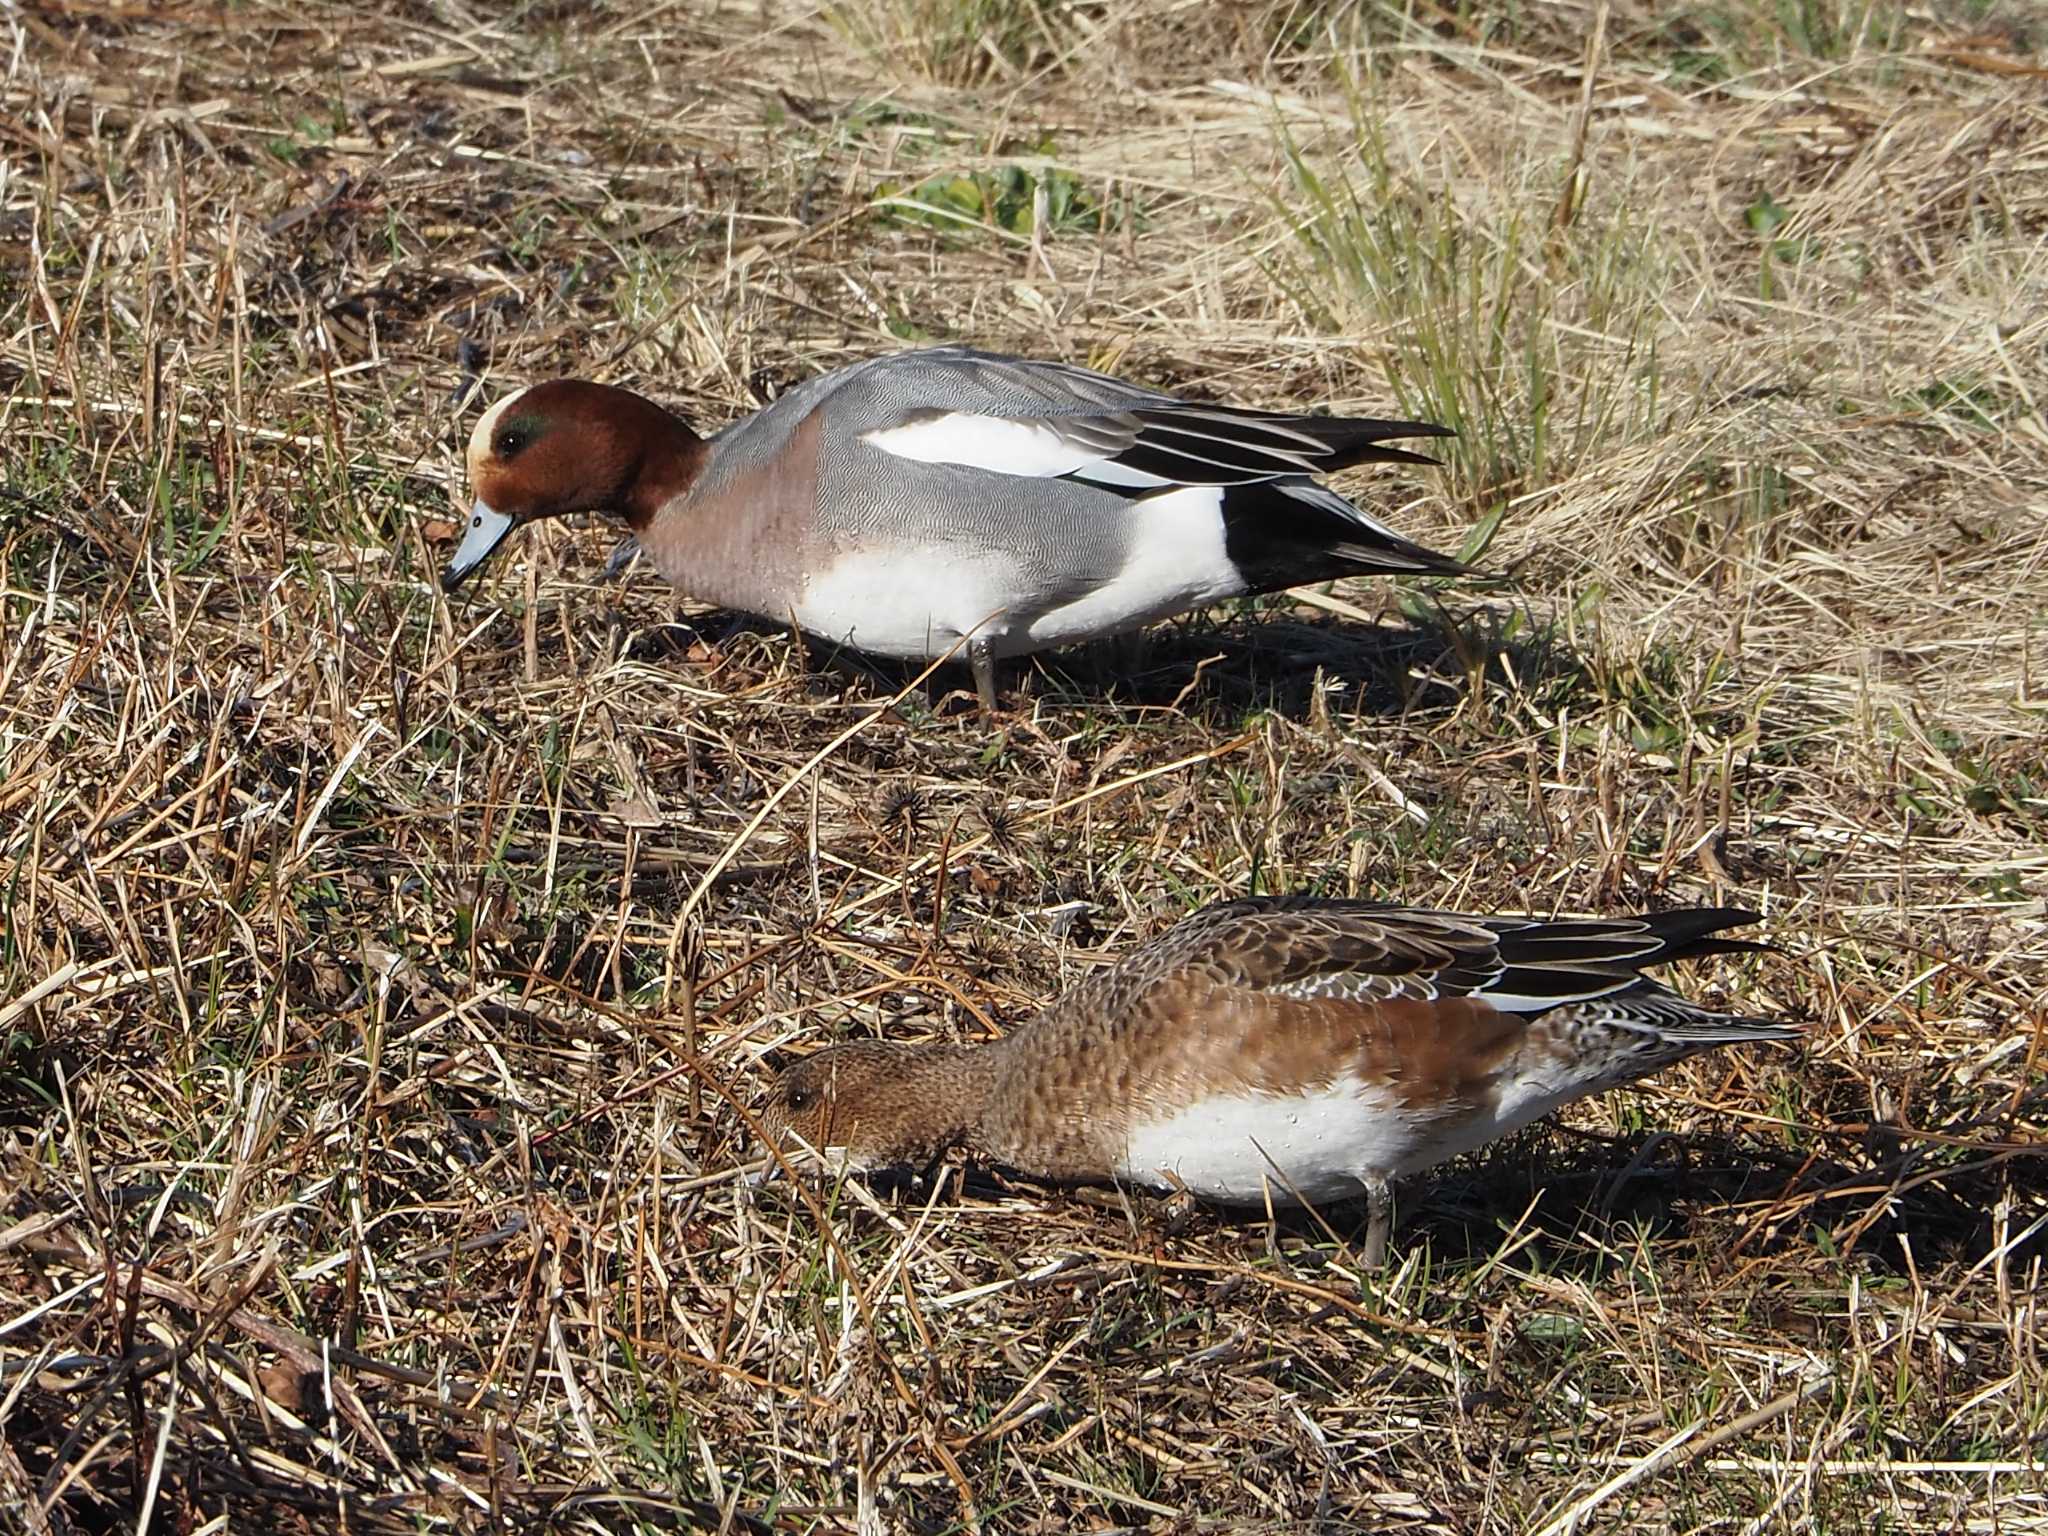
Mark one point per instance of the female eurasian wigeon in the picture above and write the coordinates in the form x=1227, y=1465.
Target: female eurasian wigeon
x=908, y=503
x=1284, y=1049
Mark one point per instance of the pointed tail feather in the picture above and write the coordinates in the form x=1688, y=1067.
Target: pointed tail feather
x=1652, y=1029
x=1633, y=943
x=1707, y=1031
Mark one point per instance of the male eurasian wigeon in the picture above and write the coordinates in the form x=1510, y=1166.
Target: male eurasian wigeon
x=905, y=504
x=1284, y=1049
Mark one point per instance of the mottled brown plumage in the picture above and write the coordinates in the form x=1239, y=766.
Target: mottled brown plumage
x=1284, y=1049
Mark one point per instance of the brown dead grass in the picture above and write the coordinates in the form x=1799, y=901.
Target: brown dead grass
x=383, y=981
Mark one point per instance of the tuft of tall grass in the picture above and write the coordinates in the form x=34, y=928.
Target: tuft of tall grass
x=1534, y=337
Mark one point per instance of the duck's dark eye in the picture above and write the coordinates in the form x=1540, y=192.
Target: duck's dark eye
x=799, y=1097
x=509, y=442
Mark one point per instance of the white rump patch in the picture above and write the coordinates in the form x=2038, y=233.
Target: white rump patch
x=1232, y=1148
x=1176, y=561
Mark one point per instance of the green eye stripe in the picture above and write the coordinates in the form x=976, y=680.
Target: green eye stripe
x=526, y=428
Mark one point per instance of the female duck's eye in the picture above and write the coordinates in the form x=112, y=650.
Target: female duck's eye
x=799, y=1098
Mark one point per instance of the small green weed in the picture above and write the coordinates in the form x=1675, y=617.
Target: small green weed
x=1766, y=216
x=1013, y=199
x=1972, y=402
x=308, y=133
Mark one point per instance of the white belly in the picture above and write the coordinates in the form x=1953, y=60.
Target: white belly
x=1323, y=1146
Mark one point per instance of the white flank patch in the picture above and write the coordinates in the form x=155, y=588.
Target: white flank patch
x=1526, y=1096
x=1177, y=561
x=911, y=602
x=1233, y=1148
x=1000, y=444
x=920, y=602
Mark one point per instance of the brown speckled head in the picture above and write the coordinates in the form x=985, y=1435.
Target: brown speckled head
x=570, y=446
x=875, y=1105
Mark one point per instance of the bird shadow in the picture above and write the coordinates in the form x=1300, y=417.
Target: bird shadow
x=1262, y=657
x=1587, y=1204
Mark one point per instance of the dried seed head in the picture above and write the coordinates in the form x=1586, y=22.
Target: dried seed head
x=903, y=809
x=1003, y=826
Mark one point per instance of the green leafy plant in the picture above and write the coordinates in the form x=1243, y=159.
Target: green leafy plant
x=1009, y=198
x=1537, y=344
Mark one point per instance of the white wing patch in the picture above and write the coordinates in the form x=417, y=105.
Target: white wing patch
x=1373, y=987
x=1515, y=1002
x=1008, y=445
x=999, y=443
x=1355, y=987
x=1120, y=476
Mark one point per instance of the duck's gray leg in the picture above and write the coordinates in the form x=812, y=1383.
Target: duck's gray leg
x=1379, y=1201
x=981, y=657
x=621, y=558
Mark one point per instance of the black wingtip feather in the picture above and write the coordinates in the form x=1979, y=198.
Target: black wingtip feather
x=1379, y=455
x=1692, y=932
x=1544, y=957
x=1350, y=440
x=1403, y=559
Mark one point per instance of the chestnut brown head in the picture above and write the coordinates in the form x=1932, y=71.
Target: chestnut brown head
x=570, y=446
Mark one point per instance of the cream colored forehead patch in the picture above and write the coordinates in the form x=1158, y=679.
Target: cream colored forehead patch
x=480, y=438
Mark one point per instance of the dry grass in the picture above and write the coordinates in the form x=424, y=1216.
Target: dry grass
x=382, y=980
